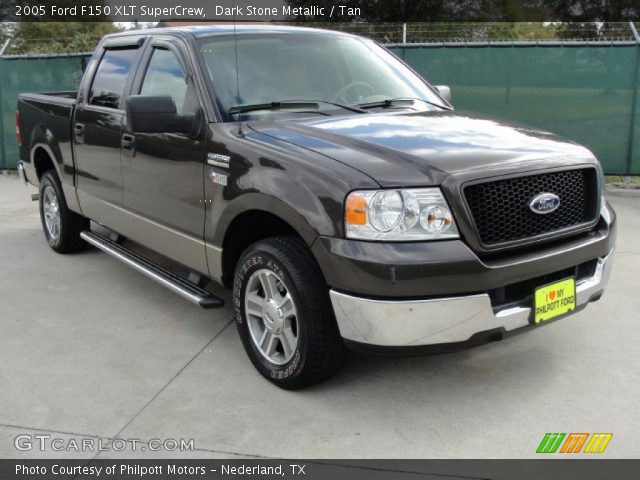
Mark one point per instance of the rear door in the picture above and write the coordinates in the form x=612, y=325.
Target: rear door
x=97, y=126
x=163, y=172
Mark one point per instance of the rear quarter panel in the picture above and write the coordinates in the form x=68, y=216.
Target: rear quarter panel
x=45, y=123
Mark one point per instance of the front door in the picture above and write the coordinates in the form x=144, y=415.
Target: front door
x=163, y=172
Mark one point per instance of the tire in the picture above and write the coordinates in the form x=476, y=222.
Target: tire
x=285, y=266
x=61, y=226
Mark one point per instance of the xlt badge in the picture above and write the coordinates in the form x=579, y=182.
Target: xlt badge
x=218, y=160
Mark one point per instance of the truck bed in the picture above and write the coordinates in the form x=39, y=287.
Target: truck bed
x=45, y=119
x=59, y=98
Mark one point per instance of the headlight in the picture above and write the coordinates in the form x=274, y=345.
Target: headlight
x=406, y=215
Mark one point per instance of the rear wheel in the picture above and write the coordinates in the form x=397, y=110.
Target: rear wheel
x=61, y=226
x=283, y=314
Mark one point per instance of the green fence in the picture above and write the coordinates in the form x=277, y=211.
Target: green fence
x=585, y=92
x=30, y=74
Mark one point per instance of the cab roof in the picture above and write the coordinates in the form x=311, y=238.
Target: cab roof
x=201, y=31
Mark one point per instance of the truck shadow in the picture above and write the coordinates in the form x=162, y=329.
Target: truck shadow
x=517, y=361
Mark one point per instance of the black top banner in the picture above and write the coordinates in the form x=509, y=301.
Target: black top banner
x=172, y=10
x=318, y=10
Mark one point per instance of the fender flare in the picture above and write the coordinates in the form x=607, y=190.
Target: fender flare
x=42, y=137
x=255, y=201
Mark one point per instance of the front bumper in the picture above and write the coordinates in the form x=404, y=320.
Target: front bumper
x=447, y=320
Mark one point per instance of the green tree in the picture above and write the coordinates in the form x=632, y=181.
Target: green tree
x=57, y=37
x=591, y=11
x=3, y=34
x=45, y=33
x=536, y=31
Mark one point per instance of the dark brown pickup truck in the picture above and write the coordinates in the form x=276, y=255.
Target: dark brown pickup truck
x=336, y=191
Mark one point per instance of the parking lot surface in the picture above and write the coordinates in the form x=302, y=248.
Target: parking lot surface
x=91, y=349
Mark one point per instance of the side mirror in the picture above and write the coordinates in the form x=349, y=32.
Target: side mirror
x=444, y=91
x=146, y=114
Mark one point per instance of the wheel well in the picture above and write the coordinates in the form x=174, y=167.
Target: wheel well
x=245, y=229
x=42, y=162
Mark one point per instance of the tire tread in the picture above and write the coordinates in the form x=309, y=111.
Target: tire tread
x=326, y=350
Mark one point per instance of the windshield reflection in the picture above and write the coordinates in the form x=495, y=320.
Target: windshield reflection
x=310, y=66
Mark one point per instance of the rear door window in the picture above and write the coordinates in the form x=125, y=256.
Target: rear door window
x=111, y=77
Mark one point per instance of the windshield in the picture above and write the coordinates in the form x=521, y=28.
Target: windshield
x=279, y=67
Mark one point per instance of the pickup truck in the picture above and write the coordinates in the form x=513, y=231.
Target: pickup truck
x=334, y=190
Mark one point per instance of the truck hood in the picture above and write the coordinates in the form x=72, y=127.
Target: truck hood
x=423, y=148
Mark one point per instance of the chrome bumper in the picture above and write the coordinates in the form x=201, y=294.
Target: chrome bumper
x=22, y=173
x=442, y=320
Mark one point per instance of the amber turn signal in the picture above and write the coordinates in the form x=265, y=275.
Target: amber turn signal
x=356, y=210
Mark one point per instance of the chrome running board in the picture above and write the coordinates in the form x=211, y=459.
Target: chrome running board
x=173, y=282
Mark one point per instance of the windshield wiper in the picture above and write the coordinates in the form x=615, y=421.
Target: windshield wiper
x=390, y=102
x=291, y=105
x=272, y=106
x=351, y=108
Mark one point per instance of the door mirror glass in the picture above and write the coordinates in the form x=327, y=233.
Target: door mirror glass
x=444, y=91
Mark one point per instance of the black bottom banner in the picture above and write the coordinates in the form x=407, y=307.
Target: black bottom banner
x=552, y=469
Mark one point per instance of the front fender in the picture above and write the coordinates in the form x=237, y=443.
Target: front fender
x=300, y=218
x=300, y=186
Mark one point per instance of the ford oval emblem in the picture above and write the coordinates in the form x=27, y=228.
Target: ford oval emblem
x=544, y=203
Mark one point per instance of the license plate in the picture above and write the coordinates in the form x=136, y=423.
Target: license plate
x=554, y=299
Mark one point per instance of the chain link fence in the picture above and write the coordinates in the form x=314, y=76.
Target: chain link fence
x=581, y=86
x=587, y=93
x=493, y=32
x=391, y=34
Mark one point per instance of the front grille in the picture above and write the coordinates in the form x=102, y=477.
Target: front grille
x=501, y=213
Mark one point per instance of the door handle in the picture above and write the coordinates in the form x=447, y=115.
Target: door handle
x=78, y=130
x=128, y=143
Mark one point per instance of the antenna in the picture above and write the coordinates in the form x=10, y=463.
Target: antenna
x=235, y=47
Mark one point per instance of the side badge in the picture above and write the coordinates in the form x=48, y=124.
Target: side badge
x=217, y=160
x=218, y=178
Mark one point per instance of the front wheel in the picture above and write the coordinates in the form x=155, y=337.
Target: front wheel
x=283, y=314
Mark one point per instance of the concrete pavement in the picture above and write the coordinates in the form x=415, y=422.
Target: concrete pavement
x=91, y=349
